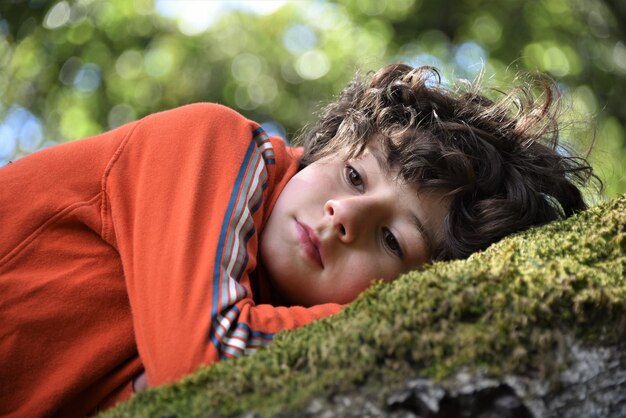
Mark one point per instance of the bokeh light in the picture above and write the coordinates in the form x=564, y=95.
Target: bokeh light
x=470, y=58
x=158, y=61
x=312, y=65
x=87, y=79
x=57, y=16
x=21, y=133
x=129, y=64
x=298, y=38
x=121, y=114
x=246, y=67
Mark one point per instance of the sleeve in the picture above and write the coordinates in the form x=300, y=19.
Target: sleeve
x=46, y=185
x=165, y=207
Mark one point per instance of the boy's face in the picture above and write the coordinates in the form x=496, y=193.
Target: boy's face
x=339, y=225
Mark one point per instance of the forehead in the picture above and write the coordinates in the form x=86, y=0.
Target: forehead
x=377, y=162
x=373, y=149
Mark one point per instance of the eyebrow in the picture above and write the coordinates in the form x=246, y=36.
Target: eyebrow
x=419, y=225
x=381, y=160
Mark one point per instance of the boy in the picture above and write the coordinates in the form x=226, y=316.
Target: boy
x=190, y=236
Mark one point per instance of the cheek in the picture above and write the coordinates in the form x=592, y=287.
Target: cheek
x=362, y=273
x=305, y=191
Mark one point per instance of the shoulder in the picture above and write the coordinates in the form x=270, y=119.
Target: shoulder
x=199, y=126
x=198, y=114
x=200, y=122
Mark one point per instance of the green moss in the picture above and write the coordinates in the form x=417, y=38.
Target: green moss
x=505, y=310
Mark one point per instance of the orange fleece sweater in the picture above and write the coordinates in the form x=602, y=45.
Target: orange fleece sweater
x=136, y=249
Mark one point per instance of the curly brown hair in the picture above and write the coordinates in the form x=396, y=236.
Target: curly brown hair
x=498, y=162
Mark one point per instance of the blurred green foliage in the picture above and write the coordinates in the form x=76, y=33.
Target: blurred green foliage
x=69, y=69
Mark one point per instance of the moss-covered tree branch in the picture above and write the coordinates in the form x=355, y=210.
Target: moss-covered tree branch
x=518, y=309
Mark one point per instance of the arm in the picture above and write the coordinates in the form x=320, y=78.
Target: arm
x=185, y=199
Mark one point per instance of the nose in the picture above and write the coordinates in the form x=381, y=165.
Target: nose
x=349, y=217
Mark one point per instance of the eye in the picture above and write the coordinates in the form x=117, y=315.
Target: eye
x=392, y=243
x=353, y=177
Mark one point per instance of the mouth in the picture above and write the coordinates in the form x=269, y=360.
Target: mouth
x=310, y=243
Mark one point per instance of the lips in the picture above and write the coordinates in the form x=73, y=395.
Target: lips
x=310, y=243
